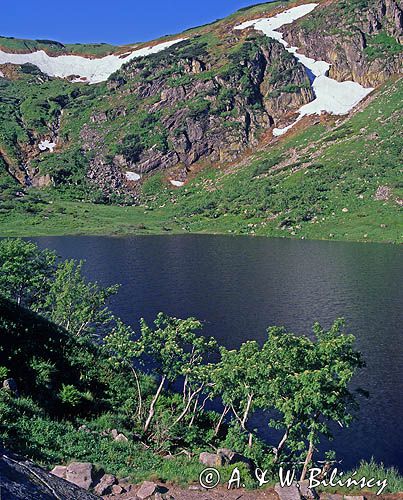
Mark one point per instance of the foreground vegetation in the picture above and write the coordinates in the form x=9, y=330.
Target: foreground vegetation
x=81, y=372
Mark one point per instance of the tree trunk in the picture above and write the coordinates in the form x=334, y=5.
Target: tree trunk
x=281, y=444
x=186, y=409
x=308, y=459
x=246, y=413
x=194, y=410
x=153, y=403
x=218, y=426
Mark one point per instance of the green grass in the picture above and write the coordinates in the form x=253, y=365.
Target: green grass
x=372, y=470
x=54, y=47
x=382, y=45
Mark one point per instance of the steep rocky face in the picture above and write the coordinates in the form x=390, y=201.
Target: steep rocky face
x=205, y=101
x=196, y=107
x=360, y=38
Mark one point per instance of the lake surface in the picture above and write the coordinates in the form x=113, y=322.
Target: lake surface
x=239, y=286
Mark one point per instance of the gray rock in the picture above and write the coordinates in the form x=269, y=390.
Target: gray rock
x=211, y=459
x=306, y=492
x=59, y=471
x=11, y=385
x=383, y=193
x=196, y=487
x=330, y=496
x=288, y=492
x=121, y=438
x=117, y=489
x=359, y=497
x=147, y=489
x=80, y=473
x=22, y=479
x=163, y=496
x=105, y=484
x=232, y=457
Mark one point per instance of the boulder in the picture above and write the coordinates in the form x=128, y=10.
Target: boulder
x=105, y=484
x=359, y=497
x=59, y=471
x=306, y=492
x=232, y=457
x=117, y=489
x=22, y=479
x=121, y=438
x=80, y=474
x=11, y=385
x=288, y=492
x=163, y=496
x=331, y=496
x=147, y=490
x=211, y=459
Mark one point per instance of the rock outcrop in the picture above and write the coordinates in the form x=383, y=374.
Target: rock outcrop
x=20, y=479
x=209, y=100
x=346, y=37
x=198, y=110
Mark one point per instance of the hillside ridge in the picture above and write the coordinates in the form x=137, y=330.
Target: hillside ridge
x=209, y=101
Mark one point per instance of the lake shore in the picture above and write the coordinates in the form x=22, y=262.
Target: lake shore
x=64, y=218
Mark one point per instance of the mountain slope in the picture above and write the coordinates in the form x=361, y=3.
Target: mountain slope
x=206, y=105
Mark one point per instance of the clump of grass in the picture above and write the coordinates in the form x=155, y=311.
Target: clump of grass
x=374, y=470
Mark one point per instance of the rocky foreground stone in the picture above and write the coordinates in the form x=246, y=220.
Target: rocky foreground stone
x=20, y=479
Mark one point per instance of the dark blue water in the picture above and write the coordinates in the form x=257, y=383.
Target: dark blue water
x=239, y=286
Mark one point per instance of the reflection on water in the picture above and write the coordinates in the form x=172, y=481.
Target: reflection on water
x=239, y=286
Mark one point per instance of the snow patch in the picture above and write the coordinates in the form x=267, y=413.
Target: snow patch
x=1, y=74
x=177, y=183
x=84, y=69
x=44, y=145
x=331, y=96
x=132, y=176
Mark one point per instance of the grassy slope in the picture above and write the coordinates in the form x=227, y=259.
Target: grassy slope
x=326, y=168
x=10, y=44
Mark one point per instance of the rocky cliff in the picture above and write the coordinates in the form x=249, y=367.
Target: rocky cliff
x=360, y=38
x=206, y=101
x=196, y=107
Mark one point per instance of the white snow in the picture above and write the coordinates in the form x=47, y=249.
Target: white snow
x=1, y=74
x=84, y=69
x=44, y=145
x=331, y=96
x=132, y=176
x=177, y=183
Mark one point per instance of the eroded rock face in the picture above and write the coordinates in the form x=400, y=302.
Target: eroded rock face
x=21, y=479
x=211, y=119
x=346, y=47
